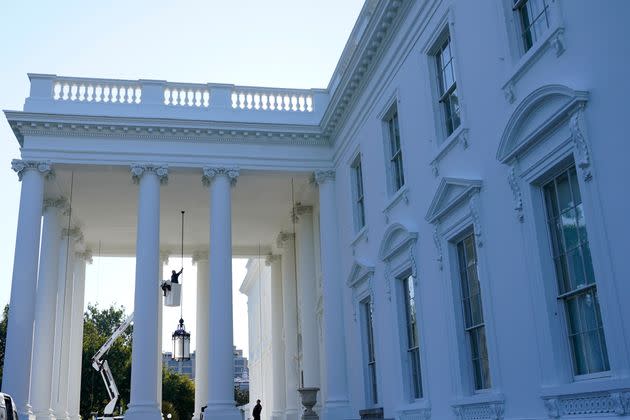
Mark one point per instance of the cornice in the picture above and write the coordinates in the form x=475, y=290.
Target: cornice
x=45, y=124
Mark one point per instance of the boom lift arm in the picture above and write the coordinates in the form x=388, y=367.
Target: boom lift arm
x=102, y=367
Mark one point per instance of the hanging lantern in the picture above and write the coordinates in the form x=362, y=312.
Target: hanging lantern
x=181, y=342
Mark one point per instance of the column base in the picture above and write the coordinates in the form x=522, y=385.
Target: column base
x=60, y=415
x=277, y=415
x=26, y=412
x=44, y=415
x=292, y=414
x=143, y=412
x=336, y=411
x=222, y=412
x=75, y=417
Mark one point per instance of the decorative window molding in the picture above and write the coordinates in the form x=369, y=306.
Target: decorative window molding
x=515, y=186
x=616, y=402
x=490, y=411
x=451, y=193
x=537, y=115
x=397, y=250
x=360, y=280
x=437, y=240
x=419, y=414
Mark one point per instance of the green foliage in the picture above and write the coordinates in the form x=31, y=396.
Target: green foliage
x=98, y=326
x=179, y=391
x=3, y=336
x=169, y=408
x=241, y=396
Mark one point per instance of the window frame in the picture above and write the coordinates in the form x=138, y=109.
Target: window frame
x=358, y=193
x=443, y=93
x=369, y=361
x=393, y=177
x=518, y=8
x=414, y=385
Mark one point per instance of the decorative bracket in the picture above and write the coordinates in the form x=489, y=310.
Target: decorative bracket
x=516, y=192
x=578, y=136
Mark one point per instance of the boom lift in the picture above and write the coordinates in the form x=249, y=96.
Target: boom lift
x=102, y=367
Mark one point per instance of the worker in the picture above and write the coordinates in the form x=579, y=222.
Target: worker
x=257, y=410
x=175, y=276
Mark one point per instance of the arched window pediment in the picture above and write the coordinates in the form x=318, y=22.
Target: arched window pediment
x=397, y=238
x=538, y=114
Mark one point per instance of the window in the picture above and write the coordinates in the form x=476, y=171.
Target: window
x=412, y=341
x=577, y=290
x=359, y=198
x=368, y=322
x=447, y=85
x=474, y=325
x=533, y=16
x=395, y=152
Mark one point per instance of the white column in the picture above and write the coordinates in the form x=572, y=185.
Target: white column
x=45, y=310
x=307, y=288
x=70, y=237
x=277, y=346
x=19, y=344
x=337, y=405
x=76, y=335
x=164, y=257
x=200, y=258
x=144, y=381
x=289, y=311
x=220, y=368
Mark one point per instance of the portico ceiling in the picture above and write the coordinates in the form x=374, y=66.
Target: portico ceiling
x=104, y=206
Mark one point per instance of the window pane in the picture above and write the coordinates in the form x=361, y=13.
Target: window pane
x=576, y=269
x=565, y=200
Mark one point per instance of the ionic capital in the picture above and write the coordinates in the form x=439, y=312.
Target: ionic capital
x=284, y=237
x=139, y=169
x=73, y=233
x=43, y=167
x=60, y=203
x=199, y=256
x=85, y=256
x=211, y=172
x=322, y=176
x=271, y=258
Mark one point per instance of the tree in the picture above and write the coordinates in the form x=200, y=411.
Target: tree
x=241, y=396
x=3, y=336
x=98, y=326
x=179, y=391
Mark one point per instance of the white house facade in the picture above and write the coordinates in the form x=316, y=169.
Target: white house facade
x=438, y=234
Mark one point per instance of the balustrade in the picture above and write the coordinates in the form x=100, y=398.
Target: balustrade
x=272, y=101
x=187, y=95
x=98, y=91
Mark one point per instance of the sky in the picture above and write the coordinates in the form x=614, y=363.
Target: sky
x=275, y=43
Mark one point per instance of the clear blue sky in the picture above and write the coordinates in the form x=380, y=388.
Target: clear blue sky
x=284, y=43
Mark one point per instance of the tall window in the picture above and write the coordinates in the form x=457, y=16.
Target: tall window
x=359, y=198
x=473, y=312
x=447, y=85
x=533, y=16
x=368, y=317
x=577, y=290
x=395, y=152
x=413, y=344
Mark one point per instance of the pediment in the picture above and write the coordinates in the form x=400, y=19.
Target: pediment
x=396, y=238
x=359, y=273
x=450, y=193
x=536, y=116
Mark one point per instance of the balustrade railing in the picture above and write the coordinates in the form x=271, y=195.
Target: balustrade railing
x=272, y=101
x=98, y=91
x=153, y=97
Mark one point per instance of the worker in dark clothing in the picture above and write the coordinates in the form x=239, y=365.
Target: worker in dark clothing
x=175, y=276
x=257, y=410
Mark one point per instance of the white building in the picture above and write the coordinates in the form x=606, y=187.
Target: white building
x=458, y=255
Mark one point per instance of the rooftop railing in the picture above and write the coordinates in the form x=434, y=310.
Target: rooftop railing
x=159, y=98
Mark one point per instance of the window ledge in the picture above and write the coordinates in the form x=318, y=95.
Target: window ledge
x=585, y=386
x=401, y=194
x=362, y=233
x=553, y=38
x=421, y=407
x=487, y=404
x=460, y=135
x=482, y=397
x=594, y=397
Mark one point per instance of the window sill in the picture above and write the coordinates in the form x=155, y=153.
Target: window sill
x=481, y=397
x=401, y=194
x=584, y=386
x=460, y=135
x=415, y=408
x=362, y=233
x=553, y=38
x=603, y=396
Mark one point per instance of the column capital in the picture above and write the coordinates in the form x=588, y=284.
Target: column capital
x=272, y=258
x=284, y=237
x=139, y=169
x=211, y=172
x=299, y=210
x=321, y=176
x=199, y=256
x=164, y=256
x=60, y=203
x=85, y=255
x=72, y=233
x=44, y=167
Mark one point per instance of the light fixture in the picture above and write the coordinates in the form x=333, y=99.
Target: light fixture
x=181, y=342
